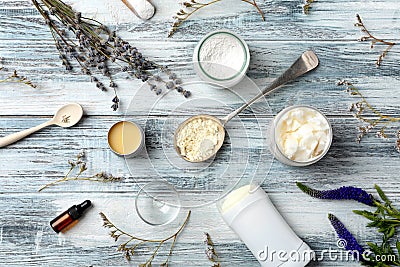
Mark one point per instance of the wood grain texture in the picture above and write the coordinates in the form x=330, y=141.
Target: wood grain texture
x=26, y=45
x=345, y=60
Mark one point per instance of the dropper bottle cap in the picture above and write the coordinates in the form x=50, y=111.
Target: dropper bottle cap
x=76, y=211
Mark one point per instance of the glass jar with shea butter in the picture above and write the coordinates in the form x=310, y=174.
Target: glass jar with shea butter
x=300, y=136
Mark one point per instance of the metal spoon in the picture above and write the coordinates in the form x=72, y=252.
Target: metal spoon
x=66, y=116
x=305, y=63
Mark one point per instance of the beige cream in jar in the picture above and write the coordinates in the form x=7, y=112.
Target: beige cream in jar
x=126, y=138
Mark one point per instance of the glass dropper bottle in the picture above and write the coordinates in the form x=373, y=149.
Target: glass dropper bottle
x=70, y=217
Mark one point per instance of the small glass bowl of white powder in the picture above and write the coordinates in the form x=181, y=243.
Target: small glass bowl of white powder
x=300, y=136
x=221, y=57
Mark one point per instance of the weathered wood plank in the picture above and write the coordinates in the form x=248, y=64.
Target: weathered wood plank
x=25, y=44
x=43, y=157
x=28, y=238
x=284, y=20
x=344, y=60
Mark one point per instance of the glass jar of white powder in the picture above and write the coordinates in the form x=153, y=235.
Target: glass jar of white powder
x=221, y=57
x=300, y=136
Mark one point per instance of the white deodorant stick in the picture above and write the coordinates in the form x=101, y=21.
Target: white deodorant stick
x=250, y=213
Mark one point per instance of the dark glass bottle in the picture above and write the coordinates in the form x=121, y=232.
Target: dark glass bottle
x=69, y=217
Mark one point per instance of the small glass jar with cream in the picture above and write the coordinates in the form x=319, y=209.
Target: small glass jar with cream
x=221, y=57
x=300, y=136
x=126, y=138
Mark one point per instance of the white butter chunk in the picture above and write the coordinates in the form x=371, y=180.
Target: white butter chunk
x=302, y=134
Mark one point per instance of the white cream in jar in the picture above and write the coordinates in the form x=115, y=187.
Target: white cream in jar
x=302, y=135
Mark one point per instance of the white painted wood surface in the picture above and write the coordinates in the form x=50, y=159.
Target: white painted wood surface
x=26, y=45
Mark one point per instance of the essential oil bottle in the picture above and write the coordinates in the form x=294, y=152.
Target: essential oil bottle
x=70, y=217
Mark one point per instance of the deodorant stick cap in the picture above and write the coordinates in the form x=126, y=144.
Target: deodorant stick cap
x=238, y=200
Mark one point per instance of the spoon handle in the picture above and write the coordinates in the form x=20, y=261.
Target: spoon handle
x=306, y=62
x=12, y=138
x=143, y=9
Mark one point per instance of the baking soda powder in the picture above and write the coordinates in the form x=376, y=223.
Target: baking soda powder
x=222, y=56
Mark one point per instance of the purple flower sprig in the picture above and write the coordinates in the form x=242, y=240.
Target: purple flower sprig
x=344, y=192
x=347, y=240
x=386, y=220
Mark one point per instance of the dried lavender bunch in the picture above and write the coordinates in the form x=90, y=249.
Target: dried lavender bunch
x=210, y=251
x=79, y=166
x=350, y=243
x=369, y=37
x=344, y=192
x=95, y=48
x=129, y=247
x=189, y=7
x=16, y=78
x=307, y=6
x=361, y=107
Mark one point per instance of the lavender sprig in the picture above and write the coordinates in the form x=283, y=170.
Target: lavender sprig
x=386, y=219
x=350, y=243
x=344, y=192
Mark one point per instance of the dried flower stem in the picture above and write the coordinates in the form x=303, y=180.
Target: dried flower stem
x=359, y=108
x=80, y=165
x=129, y=249
x=94, y=178
x=191, y=6
x=374, y=40
x=253, y=3
x=181, y=16
x=307, y=6
x=210, y=251
x=398, y=141
x=16, y=78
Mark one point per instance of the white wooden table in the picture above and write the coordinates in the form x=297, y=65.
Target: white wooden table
x=26, y=45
